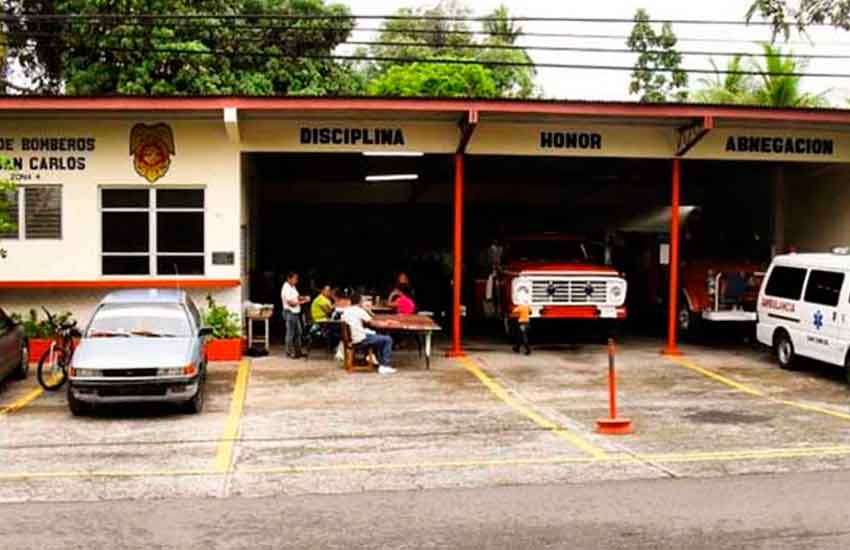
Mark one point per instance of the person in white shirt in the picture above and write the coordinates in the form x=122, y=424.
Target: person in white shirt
x=291, y=301
x=361, y=335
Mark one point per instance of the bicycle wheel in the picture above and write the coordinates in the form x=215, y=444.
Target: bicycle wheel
x=52, y=368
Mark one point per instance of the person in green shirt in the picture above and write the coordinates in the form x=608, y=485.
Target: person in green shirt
x=322, y=306
x=321, y=310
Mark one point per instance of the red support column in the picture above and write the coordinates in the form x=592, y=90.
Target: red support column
x=457, y=257
x=672, y=314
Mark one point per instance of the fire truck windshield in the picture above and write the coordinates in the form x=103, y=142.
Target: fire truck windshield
x=550, y=250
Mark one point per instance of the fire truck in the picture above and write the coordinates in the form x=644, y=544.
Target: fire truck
x=560, y=277
x=717, y=291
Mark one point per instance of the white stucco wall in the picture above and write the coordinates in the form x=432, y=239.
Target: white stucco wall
x=203, y=158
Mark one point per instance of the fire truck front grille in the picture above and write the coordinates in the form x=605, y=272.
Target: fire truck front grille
x=577, y=291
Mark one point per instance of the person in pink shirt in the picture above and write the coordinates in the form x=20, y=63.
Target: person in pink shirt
x=401, y=300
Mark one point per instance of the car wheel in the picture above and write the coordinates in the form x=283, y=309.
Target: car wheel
x=196, y=404
x=77, y=407
x=784, y=350
x=24, y=366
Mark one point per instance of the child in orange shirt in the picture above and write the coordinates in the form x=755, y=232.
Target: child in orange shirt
x=522, y=314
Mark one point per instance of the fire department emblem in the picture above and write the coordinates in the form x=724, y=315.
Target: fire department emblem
x=151, y=148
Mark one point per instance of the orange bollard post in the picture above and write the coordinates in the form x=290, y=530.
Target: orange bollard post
x=613, y=425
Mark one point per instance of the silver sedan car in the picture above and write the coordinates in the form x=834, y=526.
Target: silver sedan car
x=140, y=345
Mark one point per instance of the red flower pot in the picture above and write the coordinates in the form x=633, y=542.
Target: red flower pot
x=228, y=349
x=37, y=347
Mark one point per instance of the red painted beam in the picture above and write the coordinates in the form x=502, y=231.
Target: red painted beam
x=672, y=313
x=456, y=349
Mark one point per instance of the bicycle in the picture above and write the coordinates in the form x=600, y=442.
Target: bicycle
x=53, y=366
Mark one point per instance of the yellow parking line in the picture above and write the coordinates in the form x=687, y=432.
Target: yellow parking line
x=755, y=392
x=748, y=455
x=295, y=468
x=224, y=454
x=535, y=417
x=22, y=402
x=22, y=476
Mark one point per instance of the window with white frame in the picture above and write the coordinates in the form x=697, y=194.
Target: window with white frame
x=35, y=212
x=146, y=231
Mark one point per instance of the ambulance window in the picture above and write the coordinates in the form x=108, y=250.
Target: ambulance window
x=824, y=287
x=786, y=282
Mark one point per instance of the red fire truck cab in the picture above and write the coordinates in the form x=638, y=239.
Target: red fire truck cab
x=558, y=276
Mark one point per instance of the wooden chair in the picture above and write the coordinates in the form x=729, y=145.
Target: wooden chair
x=355, y=357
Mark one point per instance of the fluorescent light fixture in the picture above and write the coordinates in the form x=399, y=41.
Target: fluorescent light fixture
x=393, y=153
x=393, y=177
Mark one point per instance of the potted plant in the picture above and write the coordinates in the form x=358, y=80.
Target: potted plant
x=225, y=344
x=38, y=332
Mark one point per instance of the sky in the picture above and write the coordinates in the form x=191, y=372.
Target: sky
x=613, y=85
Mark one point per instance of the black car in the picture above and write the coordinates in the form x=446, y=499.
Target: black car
x=14, y=356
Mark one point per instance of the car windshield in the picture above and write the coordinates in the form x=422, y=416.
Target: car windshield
x=550, y=250
x=140, y=320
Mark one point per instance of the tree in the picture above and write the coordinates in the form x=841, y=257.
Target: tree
x=441, y=32
x=435, y=80
x=777, y=85
x=6, y=189
x=657, y=74
x=780, y=81
x=808, y=12
x=130, y=55
x=729, y=87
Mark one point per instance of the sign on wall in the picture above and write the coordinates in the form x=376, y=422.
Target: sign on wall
x=572, y=140
x=29, y=156
x=772, y=145
x=348, y=136
x=151, y=147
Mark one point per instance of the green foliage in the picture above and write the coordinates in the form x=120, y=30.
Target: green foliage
x=432, y=80
x=657, y=76
x=34, y=327
x=118, y=56
x=780, y=87
x=725, y=88
x=222, y=321
x=802, y=14
x=6, y=189
x=440, y=39
x=778, y=84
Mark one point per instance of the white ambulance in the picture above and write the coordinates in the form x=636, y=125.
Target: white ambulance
x=804, y=308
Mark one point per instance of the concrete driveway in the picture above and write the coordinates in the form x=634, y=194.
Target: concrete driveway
x=277, y=426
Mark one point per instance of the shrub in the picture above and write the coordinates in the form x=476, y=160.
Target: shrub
x=223, y=322
x=35, y=328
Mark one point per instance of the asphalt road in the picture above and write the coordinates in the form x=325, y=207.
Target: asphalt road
x=777, y=511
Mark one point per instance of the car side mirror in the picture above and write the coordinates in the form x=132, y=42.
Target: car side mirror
x=205, y=331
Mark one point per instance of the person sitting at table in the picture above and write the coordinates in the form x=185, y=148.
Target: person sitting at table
x=402, y=284
x=321, y=312
x=357, y=320
x=401, y=299
x=322, y=307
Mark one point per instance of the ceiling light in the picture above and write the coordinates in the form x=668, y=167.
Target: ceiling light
x=393, y=177
x=393, y=153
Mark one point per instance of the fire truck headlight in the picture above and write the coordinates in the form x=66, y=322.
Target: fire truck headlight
x=521, y=291
x=617, y=292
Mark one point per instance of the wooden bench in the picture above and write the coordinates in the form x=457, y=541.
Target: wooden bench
x=355, y=357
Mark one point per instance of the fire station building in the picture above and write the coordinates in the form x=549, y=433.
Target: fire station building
x=221, y=195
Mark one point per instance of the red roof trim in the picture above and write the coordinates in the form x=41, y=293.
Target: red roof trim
x=564, y=108
x=123, y=283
